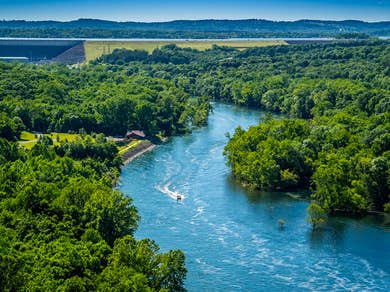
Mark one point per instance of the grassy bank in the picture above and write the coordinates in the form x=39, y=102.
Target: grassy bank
x=135, y=149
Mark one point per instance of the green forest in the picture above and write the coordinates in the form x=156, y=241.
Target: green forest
x=335, y=140
x=335, y=100
x=63, y=226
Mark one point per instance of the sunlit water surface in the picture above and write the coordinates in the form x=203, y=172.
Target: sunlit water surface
x=231, y=237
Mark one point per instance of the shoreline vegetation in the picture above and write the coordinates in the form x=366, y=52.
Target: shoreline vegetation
x=334, y=139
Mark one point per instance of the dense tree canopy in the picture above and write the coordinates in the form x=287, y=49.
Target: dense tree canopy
x=337, y=139
x=64, y=227
x=93, y=98
x=337, y=97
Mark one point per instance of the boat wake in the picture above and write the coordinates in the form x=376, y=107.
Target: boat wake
x=172, y=194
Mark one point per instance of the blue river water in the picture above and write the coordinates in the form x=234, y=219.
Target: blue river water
x=231, y=236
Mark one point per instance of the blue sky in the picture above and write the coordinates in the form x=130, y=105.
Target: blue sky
x=153, y=10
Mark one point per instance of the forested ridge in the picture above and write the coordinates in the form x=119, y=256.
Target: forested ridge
x=207, y=28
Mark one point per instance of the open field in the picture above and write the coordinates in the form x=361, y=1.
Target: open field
x=94, y=49
x=27, y=136
x=28, y=139
x=62, y=137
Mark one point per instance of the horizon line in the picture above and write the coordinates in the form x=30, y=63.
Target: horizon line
x=197, y=19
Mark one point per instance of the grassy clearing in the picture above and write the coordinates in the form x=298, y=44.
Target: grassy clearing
x=28, y=145
x=62, y=137
x=94, y=49
x=28, y=139
x=27, y=136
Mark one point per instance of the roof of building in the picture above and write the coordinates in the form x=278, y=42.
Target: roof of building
x=136, y=133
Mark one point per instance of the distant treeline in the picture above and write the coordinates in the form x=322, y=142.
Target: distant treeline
x=249, y=28
x=152, y=34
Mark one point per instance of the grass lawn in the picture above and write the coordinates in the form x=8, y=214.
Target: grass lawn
x=27, y=136
x=28, y=145
x=62, y=137
x=94, y=49
x=28, y=139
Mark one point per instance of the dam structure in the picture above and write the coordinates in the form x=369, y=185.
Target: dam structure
x=42, y=50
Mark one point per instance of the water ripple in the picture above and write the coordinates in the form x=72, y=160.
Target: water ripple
x=231, y=237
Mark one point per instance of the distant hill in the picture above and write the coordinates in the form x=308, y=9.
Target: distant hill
x=194, y=28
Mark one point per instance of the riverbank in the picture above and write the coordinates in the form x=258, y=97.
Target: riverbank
x=136, y=151
x=231, y=236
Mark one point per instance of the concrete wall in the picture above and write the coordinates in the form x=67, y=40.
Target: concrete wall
x=35, y=50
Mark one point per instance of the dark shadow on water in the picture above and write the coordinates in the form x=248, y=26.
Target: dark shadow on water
x=316, y=238
x=332, y=234
x=379, y=221
x=256, y=196
x=337, y=231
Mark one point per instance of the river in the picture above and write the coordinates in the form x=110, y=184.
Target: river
x=231, y=237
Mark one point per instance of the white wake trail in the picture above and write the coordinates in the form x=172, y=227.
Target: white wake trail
x=173, y=194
